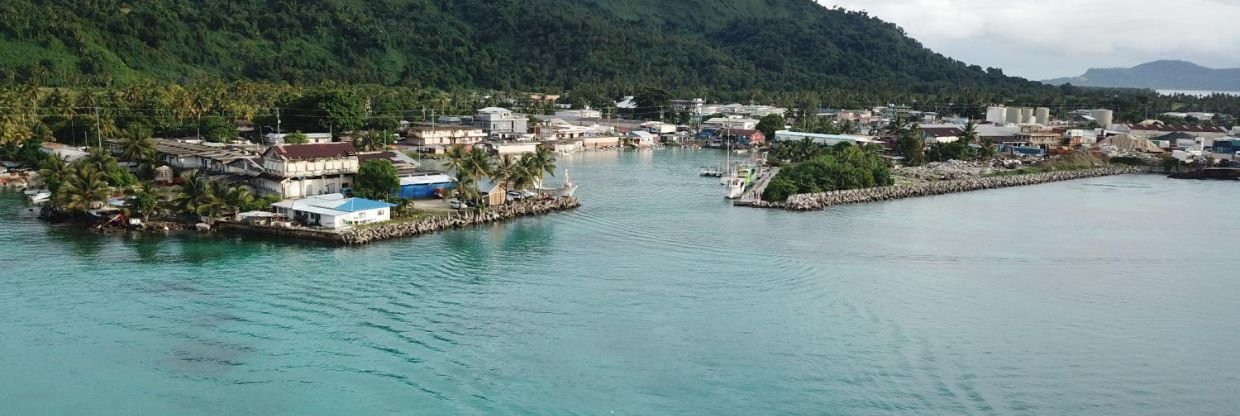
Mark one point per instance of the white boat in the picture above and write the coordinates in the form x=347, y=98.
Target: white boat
x=736, y=188
x=39, y=197
x=564, y=191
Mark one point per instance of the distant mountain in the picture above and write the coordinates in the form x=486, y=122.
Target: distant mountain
x=1170, y=75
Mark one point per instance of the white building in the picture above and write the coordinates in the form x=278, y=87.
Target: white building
x=334, y=211
x=734, y=123
x=641, y=138
x=444, y=135
x=311, y=138
x=827, y=139
x=581, y=113
x=301, y=170
x=500, y=120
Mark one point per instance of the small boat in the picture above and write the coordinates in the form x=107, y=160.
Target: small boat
x=39, y=197
x=736, y=188
x=564, y=191
x=711, y=172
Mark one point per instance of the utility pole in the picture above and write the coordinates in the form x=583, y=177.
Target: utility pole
x=98, y=128
x=277, y=121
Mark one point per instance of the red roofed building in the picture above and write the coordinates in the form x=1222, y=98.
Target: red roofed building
x=302, y=170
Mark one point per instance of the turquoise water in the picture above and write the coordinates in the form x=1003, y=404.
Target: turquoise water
x=1110, y=296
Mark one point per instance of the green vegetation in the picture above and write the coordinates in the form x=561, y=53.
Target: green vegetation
x=376, y=179
x=769, y=124
x=830, y=168
x=909, y=141
x=516, y=173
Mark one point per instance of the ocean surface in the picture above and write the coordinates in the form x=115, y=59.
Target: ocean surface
x=1108, y=296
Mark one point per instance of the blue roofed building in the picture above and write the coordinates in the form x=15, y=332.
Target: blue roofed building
x=334, y=211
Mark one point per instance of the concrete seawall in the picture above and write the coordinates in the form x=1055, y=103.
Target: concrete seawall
x=807, y=202
x=399, y=229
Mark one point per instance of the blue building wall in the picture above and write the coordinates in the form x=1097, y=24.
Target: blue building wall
x=422, y=190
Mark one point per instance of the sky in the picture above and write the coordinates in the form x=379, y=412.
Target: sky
x=1042, y=39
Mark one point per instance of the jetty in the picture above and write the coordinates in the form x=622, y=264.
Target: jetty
x=754, y=194
x=409, y=228
x=816, y=201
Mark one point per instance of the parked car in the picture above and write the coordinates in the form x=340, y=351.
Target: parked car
x=515, y=196
x=457, y=204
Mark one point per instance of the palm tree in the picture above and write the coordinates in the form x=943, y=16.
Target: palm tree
x=543, y=161
x=467, y=187
x=194, y=193
x=456, y=156
x=238, y=198
x=143, y=201
x=85, y=187
x=370, y=141
x=529, y=172
x=101, y=160
x=968, y=137
x=505, y=170
x=53, y=170
x=987, y=149
x=137, y=146
x=477, y=165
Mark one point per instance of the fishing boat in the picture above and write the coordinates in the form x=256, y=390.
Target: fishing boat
x=711, y=172
x=564, y=191
x=736, y=188
x=39, y=197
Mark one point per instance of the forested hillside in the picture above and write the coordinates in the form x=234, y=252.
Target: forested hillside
x=683, y=45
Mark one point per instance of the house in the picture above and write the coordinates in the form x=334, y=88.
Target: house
x=585, y=113
x=302, y=170
x=745, y=138
x=493, y=193
x=933, y=135
x=444, y=136
x=195, y=154
x=500, y=120
x=278, y=138
x=334, y=211
x=641, y=138
x=511, y=148
x=827, y=139
x=1041, y=138
x=723, y=123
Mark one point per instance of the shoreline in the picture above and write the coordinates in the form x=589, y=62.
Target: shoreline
x=402, y=229
x=818, y=201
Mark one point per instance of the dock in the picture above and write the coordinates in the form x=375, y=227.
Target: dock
x=754, y=194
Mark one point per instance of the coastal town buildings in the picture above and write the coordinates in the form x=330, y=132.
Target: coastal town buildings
x=734, y=122
x=312, y=138
x=334, y=211
x=827, y=139
x=496, y=121
x=444, y=136
x=298, y=171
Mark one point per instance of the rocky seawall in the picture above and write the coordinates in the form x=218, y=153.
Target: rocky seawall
x=807, y=202
x=399, y=229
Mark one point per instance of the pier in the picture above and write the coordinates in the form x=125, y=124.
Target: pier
x=754, y=194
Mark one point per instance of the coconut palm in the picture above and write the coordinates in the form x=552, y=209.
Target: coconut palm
x=53, y=170
x=194, y=193
x=477, y=164
x=456, y=156
x=85, y=188
x=137, y=146
x=544, y=161
x=467, y=188
x=143, y=201
x=238, y=198
x=529, y=172
x=101, y=160
x=506, y=169
x=370, y=141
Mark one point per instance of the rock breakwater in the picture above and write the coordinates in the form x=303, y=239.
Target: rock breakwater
x=399, y=229
x=807, y=202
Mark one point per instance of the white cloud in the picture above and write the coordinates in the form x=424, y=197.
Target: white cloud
x=1048, y=38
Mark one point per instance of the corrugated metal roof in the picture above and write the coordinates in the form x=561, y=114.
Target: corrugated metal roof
x=361, y=204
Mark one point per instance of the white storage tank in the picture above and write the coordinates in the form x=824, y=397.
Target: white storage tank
x=1104, y=117
x=1026, y=115
x=1044, y=115
x=1013, y=115
x=996, y=114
